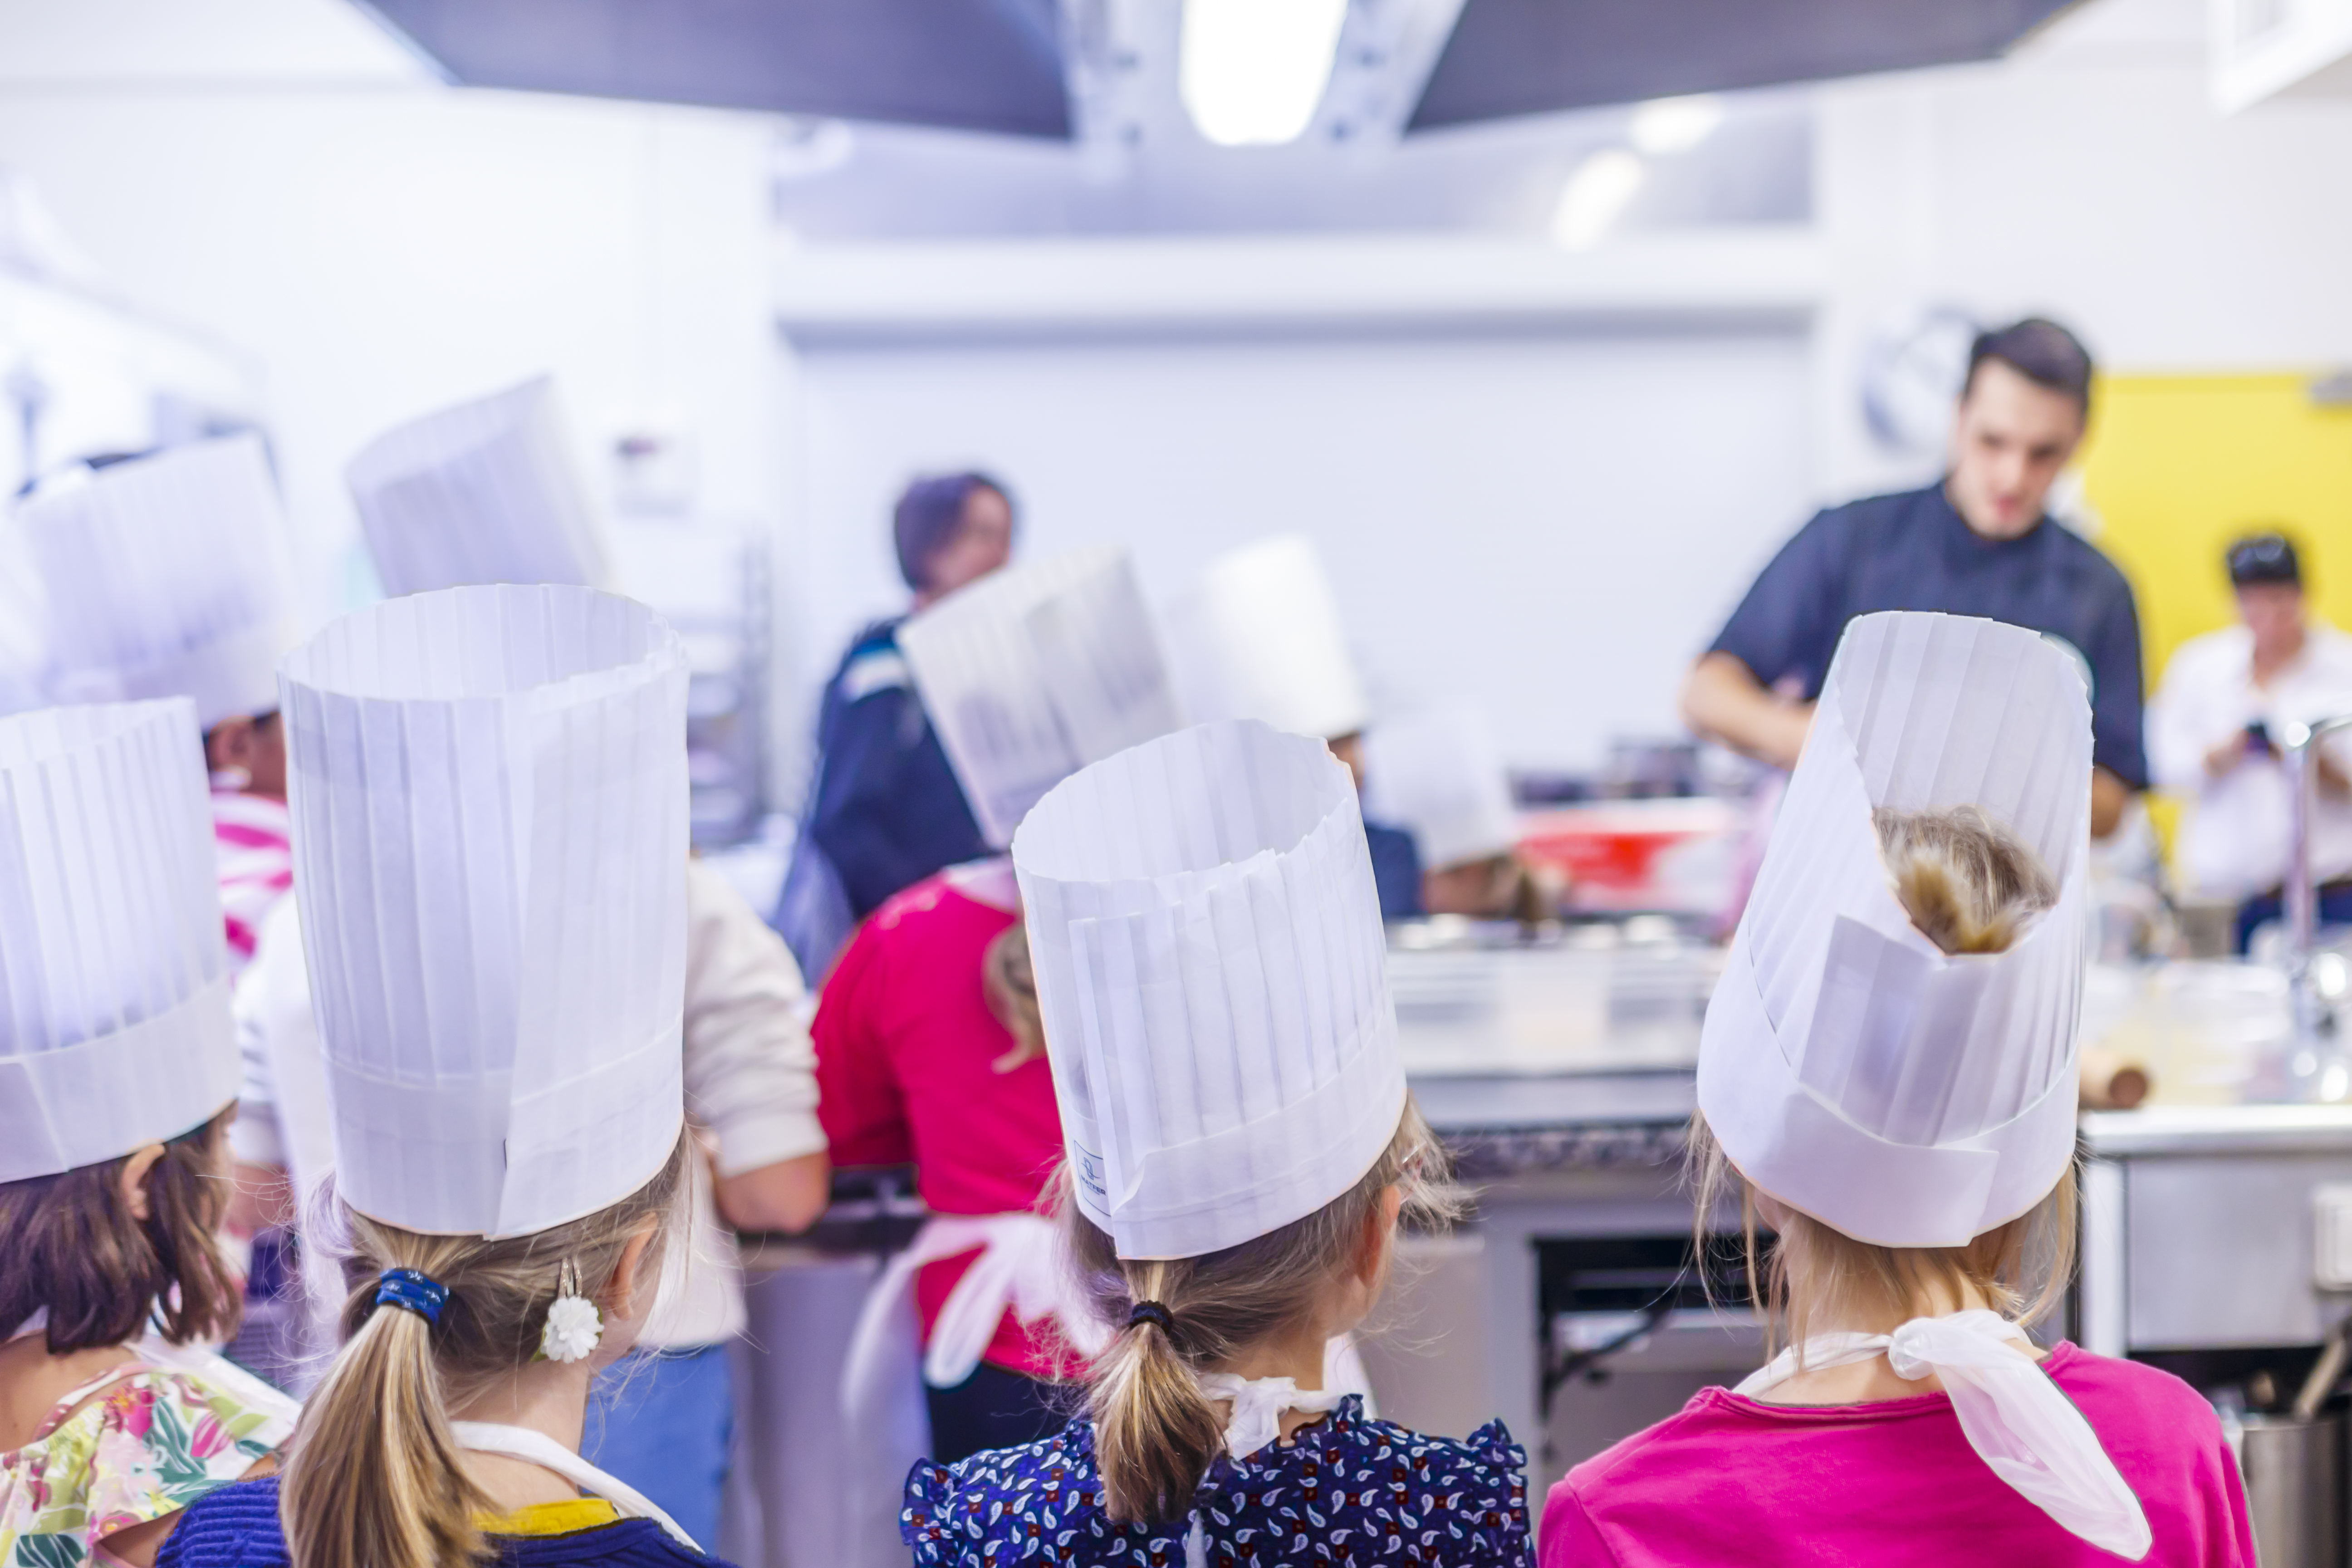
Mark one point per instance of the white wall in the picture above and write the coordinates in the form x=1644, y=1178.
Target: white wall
x=2088, y=177
x=1551, y=521
x=381, y=250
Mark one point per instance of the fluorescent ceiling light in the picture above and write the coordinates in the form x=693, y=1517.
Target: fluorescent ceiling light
x=1666, y=125
x=1251, y=72
x=1594, y=196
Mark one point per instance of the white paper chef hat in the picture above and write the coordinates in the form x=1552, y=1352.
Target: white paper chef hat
x=1438, y=773
x=484, y=492
x=489, y=802
x=1213, y=979
x=1035, y=671
x=114, y=1020
x=168, y=576
x=1259, y=637
x=1848, y=1066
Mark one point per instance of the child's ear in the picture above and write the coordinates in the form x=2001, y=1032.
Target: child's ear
x=136, y=1167
x=1379, y=1231
x=629, y=1275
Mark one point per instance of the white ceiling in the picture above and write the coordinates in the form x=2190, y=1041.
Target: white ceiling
x=69, y=43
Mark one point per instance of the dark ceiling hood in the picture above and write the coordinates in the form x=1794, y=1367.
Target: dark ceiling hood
x=965, y=65
x=1534, y=56
x=996, y=64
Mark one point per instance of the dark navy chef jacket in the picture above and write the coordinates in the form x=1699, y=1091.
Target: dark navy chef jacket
x=1914, y=552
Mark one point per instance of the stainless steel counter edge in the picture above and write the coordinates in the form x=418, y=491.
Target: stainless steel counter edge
x=1499, y=1103
x=2220, y=1129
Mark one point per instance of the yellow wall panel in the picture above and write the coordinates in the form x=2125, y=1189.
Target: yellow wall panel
x=2178, y=466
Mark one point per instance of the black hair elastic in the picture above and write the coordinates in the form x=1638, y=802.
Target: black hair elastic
x=1151, y=1313
x=412, y=1291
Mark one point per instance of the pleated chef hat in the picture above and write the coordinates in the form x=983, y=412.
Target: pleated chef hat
x=489, y=801
x=114, y=1020
x=1259, y=637
x=1214, y=980
x=1437, y=773
x=1848, y=1066
x=168, y=576
x=1035, y=671
x=484, y=492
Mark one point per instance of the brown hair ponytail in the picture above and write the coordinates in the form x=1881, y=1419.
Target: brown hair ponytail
x=1155, y=1432
x=374, y=1478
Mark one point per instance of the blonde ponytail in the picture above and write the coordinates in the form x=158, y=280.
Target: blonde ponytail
x=1156, y=1432
x=374, y=1478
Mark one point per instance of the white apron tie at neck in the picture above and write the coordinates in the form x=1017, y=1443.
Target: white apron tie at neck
x=2020, y=1423
x=538, y=1448
x=1258, y=1403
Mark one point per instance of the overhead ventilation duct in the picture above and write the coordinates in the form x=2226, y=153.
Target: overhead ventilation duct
x=1534, y=56
x=966, y=65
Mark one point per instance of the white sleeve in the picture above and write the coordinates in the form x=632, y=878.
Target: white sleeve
x=2177, y=723
x=255, y=1136
x=751, y=1070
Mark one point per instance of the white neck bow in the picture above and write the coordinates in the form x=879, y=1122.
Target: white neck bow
x=2020, y=1423
x=1258, y=1403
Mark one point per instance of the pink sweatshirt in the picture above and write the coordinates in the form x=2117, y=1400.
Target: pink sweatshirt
x=1732, y=1480
x=906, y=1048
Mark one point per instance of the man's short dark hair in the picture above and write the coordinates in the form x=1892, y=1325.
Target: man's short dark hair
x=2265, y=557
x=2042, y=352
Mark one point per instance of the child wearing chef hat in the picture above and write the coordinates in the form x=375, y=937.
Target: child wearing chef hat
x=482, y=493
x=1888, y=1075
x=1240, y=1144
x=169, y=575
x=117, y=1075
x=928, y=1046
x=489, y=797
x=1258, y=636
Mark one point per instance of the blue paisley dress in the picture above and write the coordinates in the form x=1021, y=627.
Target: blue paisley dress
x=1346, y=1490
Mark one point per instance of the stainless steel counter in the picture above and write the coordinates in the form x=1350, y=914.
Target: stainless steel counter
x=2214, y=1227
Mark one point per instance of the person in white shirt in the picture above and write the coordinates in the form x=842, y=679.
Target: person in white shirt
x=750, y=1099
x=2214, y=727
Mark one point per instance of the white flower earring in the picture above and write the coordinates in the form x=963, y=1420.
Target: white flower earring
x=573, y=1324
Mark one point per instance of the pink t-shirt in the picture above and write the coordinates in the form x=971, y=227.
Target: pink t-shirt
x=906, y=1048
x=1732, y=1480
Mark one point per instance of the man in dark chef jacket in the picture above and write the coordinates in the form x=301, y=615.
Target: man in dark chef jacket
x=1978, y=543
x=886, y=811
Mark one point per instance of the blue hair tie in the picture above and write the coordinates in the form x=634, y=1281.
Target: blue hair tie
x=406, y=1288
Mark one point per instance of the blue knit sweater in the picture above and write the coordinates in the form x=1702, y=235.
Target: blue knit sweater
x=237, y=1527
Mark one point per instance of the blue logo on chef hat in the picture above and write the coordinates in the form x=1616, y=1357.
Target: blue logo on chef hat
x=2082, y=665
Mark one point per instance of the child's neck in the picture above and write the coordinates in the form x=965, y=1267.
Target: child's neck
x=1874, y=1380
x=546, y=1397
x=1296, y=1355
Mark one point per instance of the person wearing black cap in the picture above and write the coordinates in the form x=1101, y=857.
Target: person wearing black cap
x=885, y=810
x=2213, y=729
x=1980, y=542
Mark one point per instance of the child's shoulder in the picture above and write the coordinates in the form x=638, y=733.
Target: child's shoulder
x=1462, y=1500
x=235, y=1526
x=2111, y=1381
x=1043, y=1490
x=1486, y=1451
x=2135, y=1407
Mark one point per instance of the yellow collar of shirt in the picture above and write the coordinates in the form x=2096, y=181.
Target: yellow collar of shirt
x=552, y=1518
